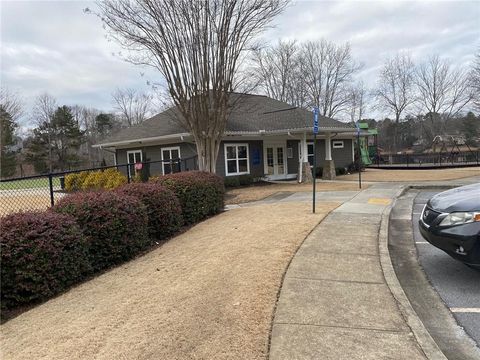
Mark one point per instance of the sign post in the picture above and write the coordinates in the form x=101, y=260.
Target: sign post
x=315, y=132
x=359, y=156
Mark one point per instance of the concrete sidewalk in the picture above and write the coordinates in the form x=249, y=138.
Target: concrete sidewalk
x=335, y=302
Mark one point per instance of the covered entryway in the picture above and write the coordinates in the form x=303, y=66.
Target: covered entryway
x=275, y=159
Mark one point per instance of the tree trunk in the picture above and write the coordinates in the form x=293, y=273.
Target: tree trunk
x=207, y=150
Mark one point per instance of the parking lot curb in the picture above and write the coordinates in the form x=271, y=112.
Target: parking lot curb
x=422, y=336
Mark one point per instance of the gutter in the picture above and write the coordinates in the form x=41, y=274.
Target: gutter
x=348, y=131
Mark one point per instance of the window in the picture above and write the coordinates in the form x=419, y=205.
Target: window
x=289, y=153
x=309, y=152
x=236, y=159
x=133, y=157
x=337, y=144
x=171, y=160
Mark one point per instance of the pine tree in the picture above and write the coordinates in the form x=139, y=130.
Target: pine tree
x=7, y=157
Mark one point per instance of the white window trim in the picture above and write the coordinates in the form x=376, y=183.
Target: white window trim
x=340, y=144
x=134, y=152
x=128, y=159
x=226, y=160
x=170, y=148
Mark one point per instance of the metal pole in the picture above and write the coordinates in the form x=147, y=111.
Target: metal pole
x=314, y=175
x=50, y=185
x=359, y=161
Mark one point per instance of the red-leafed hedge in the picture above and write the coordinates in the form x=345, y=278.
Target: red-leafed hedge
x=201, y=194
x=115, y=225
x=42, y=254
x=163, y=207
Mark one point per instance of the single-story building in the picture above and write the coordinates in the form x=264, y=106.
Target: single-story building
x=265, y=138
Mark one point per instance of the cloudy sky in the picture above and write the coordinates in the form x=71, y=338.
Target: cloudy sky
x=54, y=47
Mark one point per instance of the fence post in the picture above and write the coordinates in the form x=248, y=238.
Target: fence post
x=50, y=185
x=128, y=174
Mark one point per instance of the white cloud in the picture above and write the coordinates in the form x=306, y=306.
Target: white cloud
x=54, y=47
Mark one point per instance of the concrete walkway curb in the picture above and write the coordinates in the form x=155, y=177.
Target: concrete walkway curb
x=424, y=340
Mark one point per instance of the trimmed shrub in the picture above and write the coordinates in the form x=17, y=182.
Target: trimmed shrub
x=340, y=171
x=163, y=207
x=115, y=225
x=95, y=180
x=231, y=181
x=74, y=181
x=42, y=254
x=236, y=181
x=200, y=193
x=245, y=180
x=114, y=179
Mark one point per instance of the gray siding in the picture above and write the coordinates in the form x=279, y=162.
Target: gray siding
x=342, y=157
x=292, y=163
x=154, y=153
x=255, y=154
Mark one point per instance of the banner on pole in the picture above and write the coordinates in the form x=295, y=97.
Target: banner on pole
x=315, y=120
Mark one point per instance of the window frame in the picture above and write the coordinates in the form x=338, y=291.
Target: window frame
x=339, y=142
x=170, y=148
x=236, y=146
x=129, y=164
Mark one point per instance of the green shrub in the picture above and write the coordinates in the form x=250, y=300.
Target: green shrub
x=74, y=181
x=236, y=181
x=42, y=254
x=95, y=180
x=113, y=179
x=115, y=225
x=200, y=193
x=340, y=171
x=163, y=207
x=231, y=181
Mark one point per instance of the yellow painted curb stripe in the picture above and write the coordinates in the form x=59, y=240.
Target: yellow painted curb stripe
x=379, y=201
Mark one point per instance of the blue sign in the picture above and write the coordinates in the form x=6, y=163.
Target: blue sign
x=315, y=120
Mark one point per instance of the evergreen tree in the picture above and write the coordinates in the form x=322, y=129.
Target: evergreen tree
x=63, y=135
x=7, y=157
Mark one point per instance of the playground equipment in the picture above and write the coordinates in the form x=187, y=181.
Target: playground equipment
x=455, y=155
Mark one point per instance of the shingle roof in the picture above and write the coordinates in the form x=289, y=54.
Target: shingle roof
x=251, y=113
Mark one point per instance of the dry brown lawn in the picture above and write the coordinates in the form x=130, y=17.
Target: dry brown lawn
x=15, y=203
x=206, y=294
x=414, y=175
x=259, y=192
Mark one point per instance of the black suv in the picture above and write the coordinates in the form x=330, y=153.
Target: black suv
x=451, y=221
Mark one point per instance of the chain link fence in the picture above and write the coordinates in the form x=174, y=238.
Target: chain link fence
x=40, y=192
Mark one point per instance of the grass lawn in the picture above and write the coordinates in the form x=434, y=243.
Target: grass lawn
x=35, y=183
x=208, y=293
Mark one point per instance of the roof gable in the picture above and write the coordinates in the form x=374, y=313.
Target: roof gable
x=249, y=114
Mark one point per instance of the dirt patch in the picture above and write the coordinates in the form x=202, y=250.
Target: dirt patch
x=413, y=175
x=255, y=192
x=206, y=294
x=16, y=203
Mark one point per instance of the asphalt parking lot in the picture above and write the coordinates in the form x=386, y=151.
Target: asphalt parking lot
x=457, y=285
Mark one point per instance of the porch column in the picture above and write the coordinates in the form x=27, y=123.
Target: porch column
x=304, y=170
x=329, y=164
x=328, y=148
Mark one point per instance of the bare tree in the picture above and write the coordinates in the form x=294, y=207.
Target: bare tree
x=328, y=72
x=396, y=88
x=357, y=101
x=12, y=103
x=277, y=70
x=133, y=105
x=43, y=112
x=475, y=81
x=196, y=46
x=443, y=92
